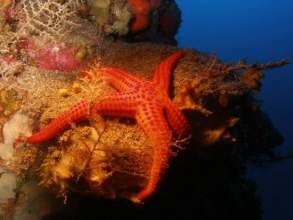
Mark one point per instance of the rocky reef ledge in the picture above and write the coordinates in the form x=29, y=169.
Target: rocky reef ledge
x=109, y=157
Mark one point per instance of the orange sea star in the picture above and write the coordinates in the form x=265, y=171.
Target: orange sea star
x=78, y=112
x=149, y=104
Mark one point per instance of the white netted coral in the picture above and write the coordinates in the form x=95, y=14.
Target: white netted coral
x=50, y=18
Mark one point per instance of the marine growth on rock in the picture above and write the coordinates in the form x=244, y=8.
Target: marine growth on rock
x=70, y=70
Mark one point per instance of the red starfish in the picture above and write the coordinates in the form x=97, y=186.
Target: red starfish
x=149, y=104
x=78, y=112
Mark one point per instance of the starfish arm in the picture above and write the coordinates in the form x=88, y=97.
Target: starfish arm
x=156, y=128
x=164, y=69
x=76, y=113
x=176, y=119
x=121, y=104
x=120, y=79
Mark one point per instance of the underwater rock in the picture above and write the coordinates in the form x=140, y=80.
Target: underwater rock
x=111, y=157
x=34, y=202
x=170, y=21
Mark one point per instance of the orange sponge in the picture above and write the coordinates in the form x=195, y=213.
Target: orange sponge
x=141, y=10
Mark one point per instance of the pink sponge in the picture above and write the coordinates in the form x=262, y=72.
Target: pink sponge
x=54, y=57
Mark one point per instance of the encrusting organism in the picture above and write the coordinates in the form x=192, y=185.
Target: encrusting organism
x=141, y=10
x=147, y=102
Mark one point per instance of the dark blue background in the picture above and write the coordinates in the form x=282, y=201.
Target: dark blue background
x=262, y=31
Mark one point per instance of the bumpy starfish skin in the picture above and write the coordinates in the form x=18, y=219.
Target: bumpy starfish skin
x=149, y=104
x=78, y=112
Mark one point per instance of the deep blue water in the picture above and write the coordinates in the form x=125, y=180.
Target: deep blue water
x=262, y=31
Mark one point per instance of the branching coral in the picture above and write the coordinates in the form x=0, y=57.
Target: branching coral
x=50, y=19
